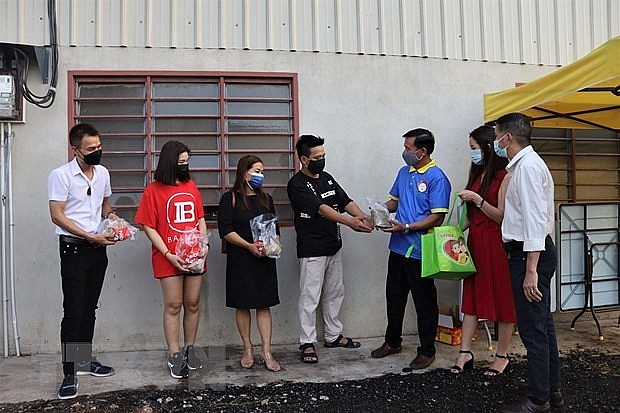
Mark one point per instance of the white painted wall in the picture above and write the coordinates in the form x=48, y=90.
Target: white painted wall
x=360, y=104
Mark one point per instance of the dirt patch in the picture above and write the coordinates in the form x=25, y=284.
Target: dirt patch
x=590, y=383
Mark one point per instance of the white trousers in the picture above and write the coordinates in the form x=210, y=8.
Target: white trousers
x=320, y=280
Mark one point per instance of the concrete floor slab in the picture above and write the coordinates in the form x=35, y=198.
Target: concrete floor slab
x=38, y=376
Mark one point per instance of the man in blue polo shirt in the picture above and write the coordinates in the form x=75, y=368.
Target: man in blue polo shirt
x=421, y=197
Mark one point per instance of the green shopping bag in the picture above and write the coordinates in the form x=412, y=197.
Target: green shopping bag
x=445, y=254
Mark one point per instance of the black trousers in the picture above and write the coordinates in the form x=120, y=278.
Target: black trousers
x=82, y=270
x=535, y=321
x=403, y=276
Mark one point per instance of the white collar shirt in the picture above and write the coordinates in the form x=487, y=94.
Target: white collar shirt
x=69, y=184
x=529, y=210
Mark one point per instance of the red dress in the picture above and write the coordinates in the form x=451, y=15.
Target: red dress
x=488, y=294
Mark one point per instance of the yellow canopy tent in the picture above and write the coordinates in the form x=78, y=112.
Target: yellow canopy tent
x=582, y=95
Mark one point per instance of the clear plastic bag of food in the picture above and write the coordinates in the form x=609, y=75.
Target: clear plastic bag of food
x=379, y=213
x=264, y=231
x=192, y=247
x=117, y=228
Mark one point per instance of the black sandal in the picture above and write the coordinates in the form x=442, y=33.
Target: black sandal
x=348, y=344
x=489, y=372
x=309, y=357
x=469, y=364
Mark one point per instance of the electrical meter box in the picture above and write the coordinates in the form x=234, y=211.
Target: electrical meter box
x=7, y=97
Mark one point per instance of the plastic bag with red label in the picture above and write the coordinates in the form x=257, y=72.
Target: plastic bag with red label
x=192, y=247
x=264, y=232
x=117, y=228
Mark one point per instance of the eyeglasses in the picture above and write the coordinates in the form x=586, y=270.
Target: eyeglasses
x=88, y=191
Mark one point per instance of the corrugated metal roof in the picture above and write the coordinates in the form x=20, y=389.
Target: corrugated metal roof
x=541, y=32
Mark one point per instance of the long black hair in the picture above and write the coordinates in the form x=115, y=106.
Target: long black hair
x=491, y=163
x=238, y=189
x=166, y=172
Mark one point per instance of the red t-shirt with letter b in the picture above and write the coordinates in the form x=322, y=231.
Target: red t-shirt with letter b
x=171, y=210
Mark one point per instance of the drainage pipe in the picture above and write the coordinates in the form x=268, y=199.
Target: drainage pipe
x=9, y=166
x=5, y=299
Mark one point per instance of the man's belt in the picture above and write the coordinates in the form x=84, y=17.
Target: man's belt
x=513, y=246
x=78, y=241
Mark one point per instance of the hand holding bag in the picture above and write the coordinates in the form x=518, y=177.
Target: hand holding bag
x=445, y=254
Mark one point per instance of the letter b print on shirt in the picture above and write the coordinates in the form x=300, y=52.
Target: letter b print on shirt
x=181, y=212
x=184, y=212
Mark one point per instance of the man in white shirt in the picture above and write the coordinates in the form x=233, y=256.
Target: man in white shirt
x=526, y=228
x=78, y=194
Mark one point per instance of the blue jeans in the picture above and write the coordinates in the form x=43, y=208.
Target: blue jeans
x=535, y=323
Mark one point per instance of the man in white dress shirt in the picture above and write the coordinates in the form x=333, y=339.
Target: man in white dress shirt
x=528, y=223
x=78, y=201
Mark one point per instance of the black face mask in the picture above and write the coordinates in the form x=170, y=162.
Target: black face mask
x=183, y=172
x=92, y=158
x=316, y=167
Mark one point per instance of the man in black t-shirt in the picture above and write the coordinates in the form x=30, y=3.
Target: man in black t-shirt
x=318, y=203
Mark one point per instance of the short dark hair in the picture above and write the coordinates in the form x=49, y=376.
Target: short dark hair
x=423, y=138
x=166, y=172
x=77, y=133
x=307, y=142
x=518, y=125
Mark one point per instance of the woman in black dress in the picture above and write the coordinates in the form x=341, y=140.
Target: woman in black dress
x=251, y=278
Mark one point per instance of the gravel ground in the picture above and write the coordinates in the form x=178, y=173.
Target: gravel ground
x=591, y=383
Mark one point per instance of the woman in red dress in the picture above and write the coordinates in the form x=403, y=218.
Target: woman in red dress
x=487, y=295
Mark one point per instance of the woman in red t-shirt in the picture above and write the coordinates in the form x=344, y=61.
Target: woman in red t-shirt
x=487, y=295
x=170, y=207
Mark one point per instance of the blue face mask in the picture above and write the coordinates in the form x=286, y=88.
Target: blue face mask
x=411, y=158
x=476, y=156
x=500, y=151
x=256, y=181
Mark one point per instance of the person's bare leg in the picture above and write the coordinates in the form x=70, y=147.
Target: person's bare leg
x=263, y=319
x=243, y=319
x=191, y=308
x=504, y=334
x=172, y=291
x=470, y=324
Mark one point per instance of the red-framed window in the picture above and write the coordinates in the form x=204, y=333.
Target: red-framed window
x=220, y=116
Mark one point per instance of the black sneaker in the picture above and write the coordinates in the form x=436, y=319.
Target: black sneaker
x=178, y=366
x=95, y=368
x=68, y=388
x=192, y=359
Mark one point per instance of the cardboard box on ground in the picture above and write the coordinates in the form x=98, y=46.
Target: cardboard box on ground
x=449, y=328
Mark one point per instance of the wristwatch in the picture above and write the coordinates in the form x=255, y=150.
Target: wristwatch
x=407, y=228
x=480, y=204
